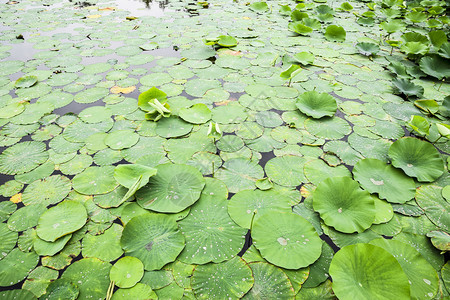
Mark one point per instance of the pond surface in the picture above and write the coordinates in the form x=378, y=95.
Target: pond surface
x=147, y=146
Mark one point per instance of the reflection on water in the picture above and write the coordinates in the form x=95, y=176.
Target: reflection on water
x=143, y=7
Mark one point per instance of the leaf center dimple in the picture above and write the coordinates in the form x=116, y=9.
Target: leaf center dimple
x=149, y=246
x=282, y=241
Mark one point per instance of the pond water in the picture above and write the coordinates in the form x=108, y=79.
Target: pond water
x=300, y=109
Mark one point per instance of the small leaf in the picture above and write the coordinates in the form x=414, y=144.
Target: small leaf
x=419, y=125
x=335, y=33
x=367, y=49
x=227, y=41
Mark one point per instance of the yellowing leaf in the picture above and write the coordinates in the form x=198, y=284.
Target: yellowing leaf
x=16, y=198
x=117, y=89
x=93, y=16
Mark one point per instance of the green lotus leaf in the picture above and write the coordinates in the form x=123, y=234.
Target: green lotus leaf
x=226, y=41
x=335, y=33
x=95, y=180
x=407, y=87
x=300, y=28
x=414, y=37
x=26, y=81
x=305, y=58
x=234, y=281
x=445, y=50
x=154, y=239
x=90, y=275
x=444, y=109
x=419, y=125
x=443, y=129
x=286, y=170
x=346, y=6
x=17, y=295
x=290, y=72
x=15, y=266
x=133, y=177
x=440, y=240
x=435, y=66
x=343, y=205
x=414, y=48
x=423, y=278
x=64, y=218
x=172, y=127
x=8, y=238
x=245, y=204
x=285, y=10
x=197, y=114
x=121, y=139
x=321, y=292
x=318, y=271
x=22, y=157
x=286, y=240
x=317, y=105
x=417, y=158
x=316, y=170
x=174, y=188
x=365, y=271
x=240, y=174
x=139, y=291
x=430, y=199
x=126, y=272
x=393, y=26
x=105, y=246
x=259, y=6
x=42, y=247
x=297, y=15
x=270, y=283
x=388, y=182
x=50, y=190
x=313, y=23
x=367, y=49
x=428, y=106
x=148, y=96
x=206, y=228
x=62, y=289
x=416, y=16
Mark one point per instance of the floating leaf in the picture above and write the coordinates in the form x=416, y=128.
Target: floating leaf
x=226, y=41
x=367, y=49
x=407, y=87
x=230, y=279
x=430, y=199
x=126, y=272
x=300, y=28
x=417, y=158
x=305, y=58
x=15, y=266
x=62, y=219
x=149, y=95
x=388, y=182
x=286, y=240
x=366, y=271
x=419, y=125
x=174, y=188
x=343, y=205
x=26, y=81
x=335, y=33
x=95, y=180
x=259, y=6
x=440, y=240
x=317, y=105
x=435, y=66
x=197, y=114
x=22, y=157
x=154, y=239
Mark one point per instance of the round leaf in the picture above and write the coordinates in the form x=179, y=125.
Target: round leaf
x=317, y=105
x=126, y=272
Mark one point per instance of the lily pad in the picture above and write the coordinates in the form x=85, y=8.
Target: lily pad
x=417, y=158
x=343, y=205
x=230, y=279
x=174, y=188
x=126, y=272
x=62, y=219
x=240, y=174
x=388, y=182
x=435, y=66
x=335, y=33
x=15, y=266
x=366, y=271
x=207, y=228
x=196, y=114
x=154, y=239
x=95, y=180
x=286, y=240
x=430, y=199
x=317, y=105
x=22, y=157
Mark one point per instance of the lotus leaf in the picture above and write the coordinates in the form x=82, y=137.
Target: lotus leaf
x=240, y=174
x=286, y=240
x=226, y=41
x=366, y=271
x=419, y=125
x=317, y=105
x=95, y=180
x=42, y=247
x=22, y=157
x=64, y=218
x=15, y=266
x=286, y=170
x=407, y=87
x=197, y=114
x=430, y=199
x=388, y=182
x=392, y=26
x=8, y=238
x=259, y=6
x=26, y=81
x=133, y=177
x=335, y=33
x=300, y=28
x=174, y=188
x=270, y=283
x=17, y=295
x=126, y=272
x=435, y=66
x=228, y=280
x=440, y=240
x=105, y=246
x=244, y=205
x=445, y=50
x=62, y=289
x=207, y=229
x=154, y=239
x=148, y=96
x=343, y=205
x=90, y=275
x=417, y=158
x=423, y=278
x=367, y=49
x=305, y=58
x=139, y=291
x=172, y=127
x=321, y=292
